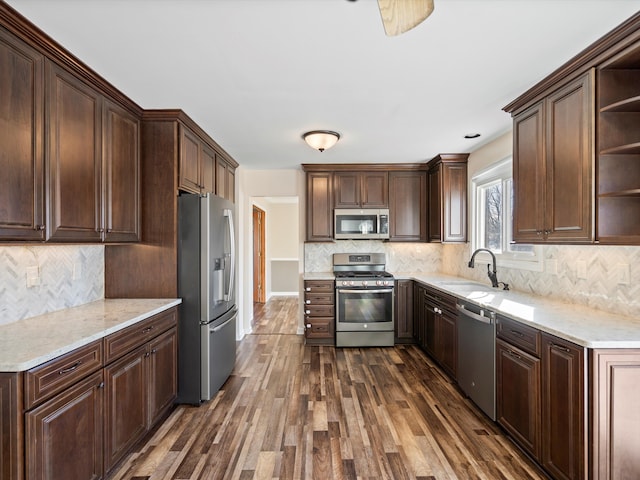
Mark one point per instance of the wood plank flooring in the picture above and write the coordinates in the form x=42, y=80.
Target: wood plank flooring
x=291, y=411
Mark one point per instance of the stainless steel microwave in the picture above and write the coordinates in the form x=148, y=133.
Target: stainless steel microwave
x=367, y=223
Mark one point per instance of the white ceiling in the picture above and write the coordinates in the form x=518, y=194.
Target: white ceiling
x=256, y=74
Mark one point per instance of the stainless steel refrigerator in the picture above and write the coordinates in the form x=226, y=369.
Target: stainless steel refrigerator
x=207, y=325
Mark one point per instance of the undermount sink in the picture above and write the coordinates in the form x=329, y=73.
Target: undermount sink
x=466, y=285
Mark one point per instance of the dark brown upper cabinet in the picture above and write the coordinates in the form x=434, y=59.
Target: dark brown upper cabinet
x=121, y=174
x=553, y=167
x=74, y=160
x=408, y=206
x=93, y=164
x=202, y=168
x=71, y=143
x=319, y=206
x=447, y=178
x=22, y=157
x=361, y=189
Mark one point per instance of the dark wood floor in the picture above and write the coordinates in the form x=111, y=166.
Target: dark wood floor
x=291, y=411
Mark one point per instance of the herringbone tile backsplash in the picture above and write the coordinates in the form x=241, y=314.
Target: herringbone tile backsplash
x=68, y=275
x=600, y=289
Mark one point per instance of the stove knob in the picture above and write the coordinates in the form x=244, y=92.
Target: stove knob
x=365, y=283
x=352, y=283
x=344, y=282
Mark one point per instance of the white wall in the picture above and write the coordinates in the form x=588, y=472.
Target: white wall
x=262, y=183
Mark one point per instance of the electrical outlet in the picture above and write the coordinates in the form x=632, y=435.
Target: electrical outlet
x=623, y=273
x=551, y=266
x=581, y=269
x=33, y=276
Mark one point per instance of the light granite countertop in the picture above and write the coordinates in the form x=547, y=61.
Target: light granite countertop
x=579, y=324
x=318, y=276
x=32, y=341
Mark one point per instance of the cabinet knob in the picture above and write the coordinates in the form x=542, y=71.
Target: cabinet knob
x=101, y=385
x=308, y=325
x=308, y=289
x=307, y=302
x=153, y=351
x=38, y=227
x=308, y=312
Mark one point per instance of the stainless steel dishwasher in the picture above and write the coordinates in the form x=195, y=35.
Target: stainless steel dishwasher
x=477, y=355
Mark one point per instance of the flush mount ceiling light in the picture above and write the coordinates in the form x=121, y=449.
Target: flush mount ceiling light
x=321, y=139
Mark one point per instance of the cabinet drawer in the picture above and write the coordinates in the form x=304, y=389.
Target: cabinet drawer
x=319, y=328
x=48, y=379
x=311, y=298
x=119, y=343
x=319, y=310
x=523, y=336
x=318, y=286
x=441, y=300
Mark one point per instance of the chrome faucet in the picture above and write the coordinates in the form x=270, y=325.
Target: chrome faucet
x=493, y=275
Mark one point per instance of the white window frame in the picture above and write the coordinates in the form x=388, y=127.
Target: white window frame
x=499, y=172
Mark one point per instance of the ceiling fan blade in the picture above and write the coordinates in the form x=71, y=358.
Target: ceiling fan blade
x=399, y=16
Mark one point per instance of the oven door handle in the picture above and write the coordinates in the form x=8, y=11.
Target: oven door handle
x=386, y=290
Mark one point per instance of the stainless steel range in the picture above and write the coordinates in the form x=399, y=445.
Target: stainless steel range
x=364, y=300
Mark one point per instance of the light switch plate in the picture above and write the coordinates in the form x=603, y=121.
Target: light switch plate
x=623, y=273
x=551, y=266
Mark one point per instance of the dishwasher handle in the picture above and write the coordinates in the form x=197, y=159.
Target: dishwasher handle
x=476, y=316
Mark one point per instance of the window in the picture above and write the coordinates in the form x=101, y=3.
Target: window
x=493, y=220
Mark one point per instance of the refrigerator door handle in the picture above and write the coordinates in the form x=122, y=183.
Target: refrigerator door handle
x=229, y=216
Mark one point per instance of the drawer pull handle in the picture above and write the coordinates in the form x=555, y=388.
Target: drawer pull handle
x=519, y=334
x=70, y=369
x=153, y=351
x=559, y=347
x=514, y=354
x=148, y=329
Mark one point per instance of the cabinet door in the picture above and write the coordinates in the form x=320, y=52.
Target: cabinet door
x=563, y=408
x=347, y=189
x=569, y=163
x=125, y=405
x=163, y=374
x=430, y=334
x=208, y=160
x=189, y=161
x=221, y=177
x=404, y=311
x=518, y=395
x=408, y=206
x=454, y=202
x=374, y=190
x=435, y=203
x=74, y=158
x=319, y=207
x=11, y=427
x=21, y=137
x=528, y=175
x=64, y=435
x=231, y=184
x=447, y=337
x=419, y=313
x=121, y=174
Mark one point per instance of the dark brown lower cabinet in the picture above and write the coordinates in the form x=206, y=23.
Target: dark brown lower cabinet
x=11, y=427
x=64, y=434
x=564, y=443
x=404, y=324
x=140, y=388
x=436, y=327
x=163, y=375
x=518, y=395
x=125, y=404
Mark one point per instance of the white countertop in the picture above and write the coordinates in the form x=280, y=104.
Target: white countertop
x=30, y=342
x=582, y=325
x=318, y=276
